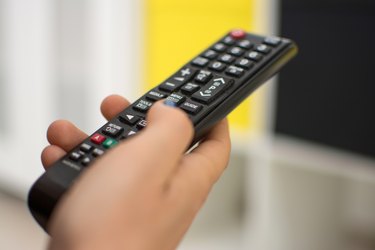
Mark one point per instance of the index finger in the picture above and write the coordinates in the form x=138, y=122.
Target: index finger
x=208, y=161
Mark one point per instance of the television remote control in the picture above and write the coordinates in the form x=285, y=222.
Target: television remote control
x=207, y=88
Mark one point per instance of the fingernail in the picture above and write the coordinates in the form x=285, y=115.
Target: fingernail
x=170, y=103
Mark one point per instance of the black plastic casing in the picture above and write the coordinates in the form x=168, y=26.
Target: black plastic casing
x=46, y=192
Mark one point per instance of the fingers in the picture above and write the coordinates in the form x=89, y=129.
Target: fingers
x=169, y=130
x=64, y=135
x=215, y=149
x=202, y=168
x=112, y=105
x=161, y=145
x=51, y=154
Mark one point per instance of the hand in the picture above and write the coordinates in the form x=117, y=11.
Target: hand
x=142, y=194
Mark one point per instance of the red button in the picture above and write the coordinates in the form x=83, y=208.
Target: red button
x=237, y=34
x=98, y=139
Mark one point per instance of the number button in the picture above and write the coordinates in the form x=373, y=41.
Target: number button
x=220, y=47
x=218, y=66
x=228, y=40
x=227, y=58
x=236, y=51
x=246, y=44
x=244, y=63
x=255, y=56
x=210, y=54
x=263, y=49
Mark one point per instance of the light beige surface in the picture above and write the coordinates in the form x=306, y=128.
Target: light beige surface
x=18, y=231
x=217, y=227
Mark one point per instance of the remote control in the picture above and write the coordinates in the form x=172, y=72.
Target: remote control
x=207, y=88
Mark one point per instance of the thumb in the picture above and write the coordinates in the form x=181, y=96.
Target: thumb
x=169, y=128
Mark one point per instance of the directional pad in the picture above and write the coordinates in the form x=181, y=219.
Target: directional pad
x=212, y=90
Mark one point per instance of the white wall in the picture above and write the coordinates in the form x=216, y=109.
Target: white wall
x=60, y=58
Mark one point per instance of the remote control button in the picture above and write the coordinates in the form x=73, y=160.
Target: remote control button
x=97, y=152
x=272, y=41
x=85, y=147
x=175, y=99
x=131, y=133
x=86, y=161
x=210, y=54
x=217, y=66
x=170, y=86
x=263, y=49
x=220, y=47
x=155, y=95
x=75, y=156
x=244, y=63
x=191, y=107
x=237, y=34
x=246, y=44
x=235, y=71
x=227, y=58
x=190, y=88
x=184, y=75
x=236, y=51
x=203, y=76
x=112, y=130
x=109, y=143
x=200, y=61
x=98, y=139
x=229, y=40
x=141, y=124
x=143, y=105
x=129, y=119
x=212, y=90
x=255, y=56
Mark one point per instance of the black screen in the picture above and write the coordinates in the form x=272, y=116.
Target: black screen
x=327, y=93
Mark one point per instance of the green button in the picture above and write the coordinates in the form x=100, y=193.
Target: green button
x=109, y=143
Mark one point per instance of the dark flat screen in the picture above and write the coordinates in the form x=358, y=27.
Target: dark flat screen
x=327, y=94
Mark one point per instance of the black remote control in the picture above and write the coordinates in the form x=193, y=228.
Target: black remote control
x=207, y=88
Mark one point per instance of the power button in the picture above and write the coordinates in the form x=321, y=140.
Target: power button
x=237, y=34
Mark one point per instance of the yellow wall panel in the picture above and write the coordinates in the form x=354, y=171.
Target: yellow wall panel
x=177, y=30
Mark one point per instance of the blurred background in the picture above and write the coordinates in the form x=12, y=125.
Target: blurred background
x=302, y=170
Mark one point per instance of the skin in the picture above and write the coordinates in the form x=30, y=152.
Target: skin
x=142, y=194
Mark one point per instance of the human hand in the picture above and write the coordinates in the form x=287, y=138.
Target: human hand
x=142, y=194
